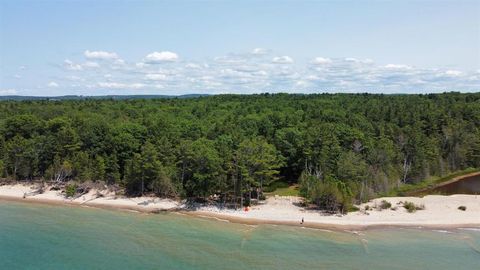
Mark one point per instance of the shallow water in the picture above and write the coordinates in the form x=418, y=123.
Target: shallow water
x=469, y=185
x=34, y=236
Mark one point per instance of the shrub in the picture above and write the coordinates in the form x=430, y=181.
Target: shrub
x=327, y=194
x=463, y=208
x=385, y=205
x=70, y=190
x=246, y=202
x=411, y=207
x=353, y=208
x=275, y=185
x=367, y=207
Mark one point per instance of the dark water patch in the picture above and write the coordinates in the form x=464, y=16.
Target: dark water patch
x=468, y=185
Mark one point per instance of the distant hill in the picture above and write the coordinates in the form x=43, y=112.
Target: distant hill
x=116, y=97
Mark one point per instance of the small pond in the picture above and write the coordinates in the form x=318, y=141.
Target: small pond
x=469, y=185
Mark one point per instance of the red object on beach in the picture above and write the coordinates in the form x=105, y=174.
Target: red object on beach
x=246, y=209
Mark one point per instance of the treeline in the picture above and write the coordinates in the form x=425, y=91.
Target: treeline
x=339, y=147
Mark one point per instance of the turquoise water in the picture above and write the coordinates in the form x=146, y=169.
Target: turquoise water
x=60, y=237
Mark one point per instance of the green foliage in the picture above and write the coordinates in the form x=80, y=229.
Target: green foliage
x=385, y=205
x=411, y=207
x=145, y=172
x=328, y=194
x=286, y=191
x=70, y=190
x=340, y=148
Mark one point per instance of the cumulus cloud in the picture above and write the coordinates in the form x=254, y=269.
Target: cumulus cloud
x=321, y=61
x=252, y=72
x=192, y=65
x=159, y=57
x=259, y=51
x=52, y=84
x=155, y=77
x=282, y=60
x=90, y=64
x=100, y=55
x=70, y=65
x=9, y=91
x=453, y=73
x=398, y=67
x=117, y=85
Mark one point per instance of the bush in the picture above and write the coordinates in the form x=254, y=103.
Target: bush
x=411, y=207
x=353, y=208
x=385, y=205
x=274, y=186
x=328, y=194
x=463, y=208
x=246, y=202
x=70, y=190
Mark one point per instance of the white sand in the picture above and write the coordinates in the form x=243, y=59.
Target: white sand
x=440, y=211
x=108, y=199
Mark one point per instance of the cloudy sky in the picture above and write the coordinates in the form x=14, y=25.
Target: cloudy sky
x=178, y=47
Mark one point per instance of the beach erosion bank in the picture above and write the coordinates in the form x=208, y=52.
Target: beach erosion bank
x=439, y=211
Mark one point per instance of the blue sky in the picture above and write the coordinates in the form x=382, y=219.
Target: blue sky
x=179, y=47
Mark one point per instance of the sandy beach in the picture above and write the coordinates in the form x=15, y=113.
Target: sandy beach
x=440, y=211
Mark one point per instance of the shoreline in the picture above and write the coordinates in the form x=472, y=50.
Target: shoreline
x=441, y=211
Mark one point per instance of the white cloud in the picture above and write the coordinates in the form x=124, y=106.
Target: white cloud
x=16, y=76
x=74, y=78
x=231, y=59
x=158, y=57
x=100, y=55
x=399, y=67
x=282, y=60
x=68, y=64
x=10, y=91
x=351, y=59
x=321, y=61
x=155, y=77
x=246, y=73
x=52, y=84
x=116, y=85
x=259, y=51
x=192, y=65
x=22, y=67
x=453, y=73
x=91, y=64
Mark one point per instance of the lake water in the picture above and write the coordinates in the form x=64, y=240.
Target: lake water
x=61, y=237
x=469, y=185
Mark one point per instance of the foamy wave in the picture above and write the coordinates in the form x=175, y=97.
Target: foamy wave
x=470, y=229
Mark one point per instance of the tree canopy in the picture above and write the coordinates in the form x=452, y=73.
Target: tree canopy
x=231, y=145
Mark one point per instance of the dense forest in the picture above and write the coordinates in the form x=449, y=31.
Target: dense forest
x=337, y=147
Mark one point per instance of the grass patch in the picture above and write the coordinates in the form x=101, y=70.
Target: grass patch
x=385, y=205
x=411, y=207
x=285, y=191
